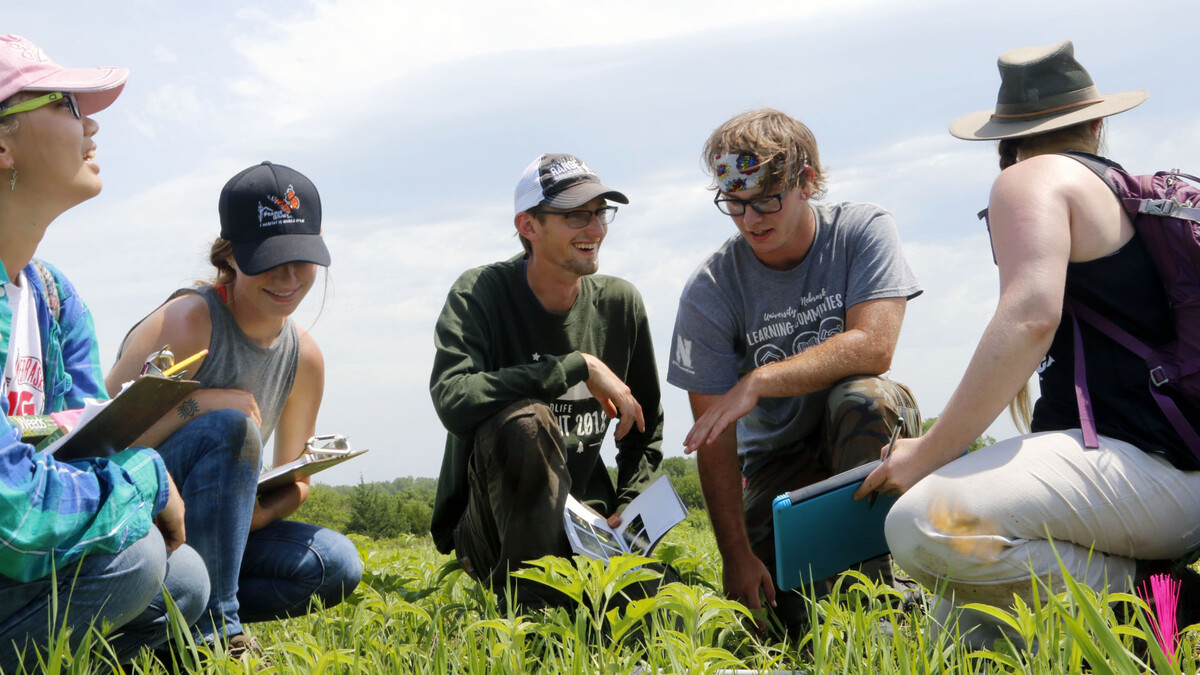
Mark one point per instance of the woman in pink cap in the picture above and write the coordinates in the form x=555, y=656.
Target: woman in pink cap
x=87, y=527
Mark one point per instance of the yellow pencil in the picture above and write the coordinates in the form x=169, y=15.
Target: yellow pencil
x=184, y=363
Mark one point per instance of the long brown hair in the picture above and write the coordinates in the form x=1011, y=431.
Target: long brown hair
x=1078, y=137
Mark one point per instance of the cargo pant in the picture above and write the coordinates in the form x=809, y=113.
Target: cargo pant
x=518, y=488
x=860, y=413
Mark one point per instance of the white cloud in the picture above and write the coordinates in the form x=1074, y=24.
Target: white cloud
x=414, y=119
x=164, y=54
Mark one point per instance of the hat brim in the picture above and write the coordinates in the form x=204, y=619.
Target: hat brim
x=981, y=126
x=256, y=257
x=94, y=88
x=582, y=193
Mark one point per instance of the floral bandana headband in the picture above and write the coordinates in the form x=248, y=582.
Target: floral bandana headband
x=738, y=172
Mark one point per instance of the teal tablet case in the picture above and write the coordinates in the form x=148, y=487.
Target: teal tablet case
x=820, y=530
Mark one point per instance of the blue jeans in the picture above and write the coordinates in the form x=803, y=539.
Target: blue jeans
x=256, y=576
x=287, y=564
x=214, y=460
x=123, y=591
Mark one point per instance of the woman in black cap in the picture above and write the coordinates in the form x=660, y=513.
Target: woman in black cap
x=1112, y=508
x=261, y=375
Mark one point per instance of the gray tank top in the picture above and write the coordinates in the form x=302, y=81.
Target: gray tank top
x=234, y=362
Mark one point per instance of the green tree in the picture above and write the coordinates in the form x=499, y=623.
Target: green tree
x=688, y=488
x=677, y=466
x=980, y=442
x=325, y=507
x=372, y=512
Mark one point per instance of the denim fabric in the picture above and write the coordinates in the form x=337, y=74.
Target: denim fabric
x=114, y=590
x=287, y=564
x=187, y=583
x=214, y=460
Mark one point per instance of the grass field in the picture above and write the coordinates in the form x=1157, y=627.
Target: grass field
x=415, y=612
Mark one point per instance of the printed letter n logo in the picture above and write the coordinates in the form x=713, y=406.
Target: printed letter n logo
x=683, y=352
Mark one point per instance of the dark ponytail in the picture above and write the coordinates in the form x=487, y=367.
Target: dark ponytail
x=219, y=256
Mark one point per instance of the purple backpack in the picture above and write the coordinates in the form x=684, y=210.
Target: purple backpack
x=1165, y=209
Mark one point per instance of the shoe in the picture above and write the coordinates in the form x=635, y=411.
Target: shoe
x=243, y=645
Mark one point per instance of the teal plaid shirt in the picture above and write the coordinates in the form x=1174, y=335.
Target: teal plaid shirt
x=51, y=513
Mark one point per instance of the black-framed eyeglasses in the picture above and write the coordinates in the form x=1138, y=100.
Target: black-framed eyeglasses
x=736, y=207
x=581, y=218
x=35, y=103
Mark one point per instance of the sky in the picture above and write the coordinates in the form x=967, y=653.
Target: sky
x=415, y=120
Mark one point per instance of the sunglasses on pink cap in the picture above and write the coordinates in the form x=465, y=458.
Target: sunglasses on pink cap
x=35, y=103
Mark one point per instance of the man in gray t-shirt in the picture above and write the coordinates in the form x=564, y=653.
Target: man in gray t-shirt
x=781, y=340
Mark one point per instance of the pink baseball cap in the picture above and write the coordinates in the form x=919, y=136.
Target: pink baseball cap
x=25, y=67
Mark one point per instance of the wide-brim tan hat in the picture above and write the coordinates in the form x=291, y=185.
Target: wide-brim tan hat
x=1042, y=89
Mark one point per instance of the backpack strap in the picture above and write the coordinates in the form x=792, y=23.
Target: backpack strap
x=1168, y=208
x=1158, y=376
x=50, y=289
x=1083, y=399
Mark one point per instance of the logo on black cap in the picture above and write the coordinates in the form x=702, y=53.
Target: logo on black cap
x=290, y=202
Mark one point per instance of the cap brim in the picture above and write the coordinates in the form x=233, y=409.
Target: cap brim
x=256, y=257
x=95, y=88
x=582, y=193
x=981, y=126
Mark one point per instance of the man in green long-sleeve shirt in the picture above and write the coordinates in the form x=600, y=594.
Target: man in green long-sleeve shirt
x=535, y=355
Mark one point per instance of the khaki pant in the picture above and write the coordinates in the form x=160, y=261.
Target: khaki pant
x=980, y=527
x=860, y=414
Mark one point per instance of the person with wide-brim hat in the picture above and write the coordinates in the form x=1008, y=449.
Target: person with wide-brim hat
x=973, y=526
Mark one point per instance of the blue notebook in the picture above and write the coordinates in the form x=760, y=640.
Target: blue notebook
x=820, y=530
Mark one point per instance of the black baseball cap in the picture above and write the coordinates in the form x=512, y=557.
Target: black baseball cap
x=272, y=215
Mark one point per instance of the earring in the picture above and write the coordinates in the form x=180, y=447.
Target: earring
x=12, y=184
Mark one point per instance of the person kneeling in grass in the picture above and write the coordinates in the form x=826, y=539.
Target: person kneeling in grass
x=78, y=542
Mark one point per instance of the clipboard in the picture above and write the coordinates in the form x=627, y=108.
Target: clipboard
x=122, y=419
x=821, y=530
x=302, y=467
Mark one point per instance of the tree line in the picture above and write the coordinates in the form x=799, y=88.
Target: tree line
x=387, y=509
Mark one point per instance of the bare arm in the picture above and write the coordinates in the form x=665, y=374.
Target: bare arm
x=1030, y=219
x=184, y=324
x=744, y=575
x=864, y=348
x=297, y=423
x=615, y=397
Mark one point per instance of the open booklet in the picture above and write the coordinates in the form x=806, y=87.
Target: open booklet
x=643, y=523
x=320, y=453
x=101, y=428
